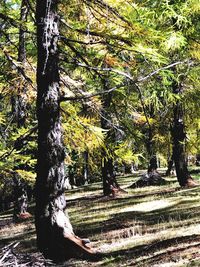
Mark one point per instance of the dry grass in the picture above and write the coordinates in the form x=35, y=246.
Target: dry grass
x=152, y=226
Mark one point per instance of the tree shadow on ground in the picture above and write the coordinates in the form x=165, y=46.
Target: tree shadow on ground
x=150, y=249
x=175, y=212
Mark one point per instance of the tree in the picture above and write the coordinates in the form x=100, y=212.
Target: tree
x=179, y=139
x=110, y=184
x=19, y=110
x=55, y=236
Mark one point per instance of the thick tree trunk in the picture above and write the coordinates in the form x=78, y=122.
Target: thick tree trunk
x=55, y=237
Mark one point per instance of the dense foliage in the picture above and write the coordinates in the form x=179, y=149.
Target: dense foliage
x=132, y=51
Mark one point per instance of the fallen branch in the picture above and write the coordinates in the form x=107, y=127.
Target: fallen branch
x=8, y=257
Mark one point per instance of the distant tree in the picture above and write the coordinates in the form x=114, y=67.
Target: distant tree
x=110, y=184
x=19, y=110
x=179, y=138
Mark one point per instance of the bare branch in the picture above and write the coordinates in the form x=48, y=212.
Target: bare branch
x=160, y=69
x=127, y=75
x=81, y=42
x=87, y=96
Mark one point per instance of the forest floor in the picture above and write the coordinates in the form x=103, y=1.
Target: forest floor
x=145, y=227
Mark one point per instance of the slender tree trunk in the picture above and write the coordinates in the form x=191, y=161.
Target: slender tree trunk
x=85, y=167
x=55, y=237
x=19, y=100
x=72, y=169
x=170, y=165
x=110, y=185
x=152, y=177
x=179, y=135
x=19, y=109
x=21, y=198
x=151, y=152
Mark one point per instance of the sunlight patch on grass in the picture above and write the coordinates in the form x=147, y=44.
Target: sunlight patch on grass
x=148, y=239
x=151, y=206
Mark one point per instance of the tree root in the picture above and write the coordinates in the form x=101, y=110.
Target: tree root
x=82, y=244
x=22, y=217
x=116, y=191
x=72, y=246
x=191, y=183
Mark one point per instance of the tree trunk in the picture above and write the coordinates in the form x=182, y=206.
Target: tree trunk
x=110, y=185
x=19, y=110
x=152, y=164
x=72, y=169
x=170, y=165
x=19, y=100
x=85, y=167
x=151, y=152
x=55, y=237
x=20, y=198
x=152, y=177
x=179, y=135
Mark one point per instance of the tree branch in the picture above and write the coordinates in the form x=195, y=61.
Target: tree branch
x=19, y=142
x=160, y=69
x=99, y=34
x=82, y=97
x=16, y=66
x=127, y=75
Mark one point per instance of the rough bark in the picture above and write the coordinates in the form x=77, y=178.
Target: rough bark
x=55, y=237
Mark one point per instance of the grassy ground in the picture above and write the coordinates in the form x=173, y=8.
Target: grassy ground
x=152, y=226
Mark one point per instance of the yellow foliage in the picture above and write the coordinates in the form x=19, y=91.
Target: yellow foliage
x=111, y=61
x=195, y=50
x=194, y=5
x=28, y=176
